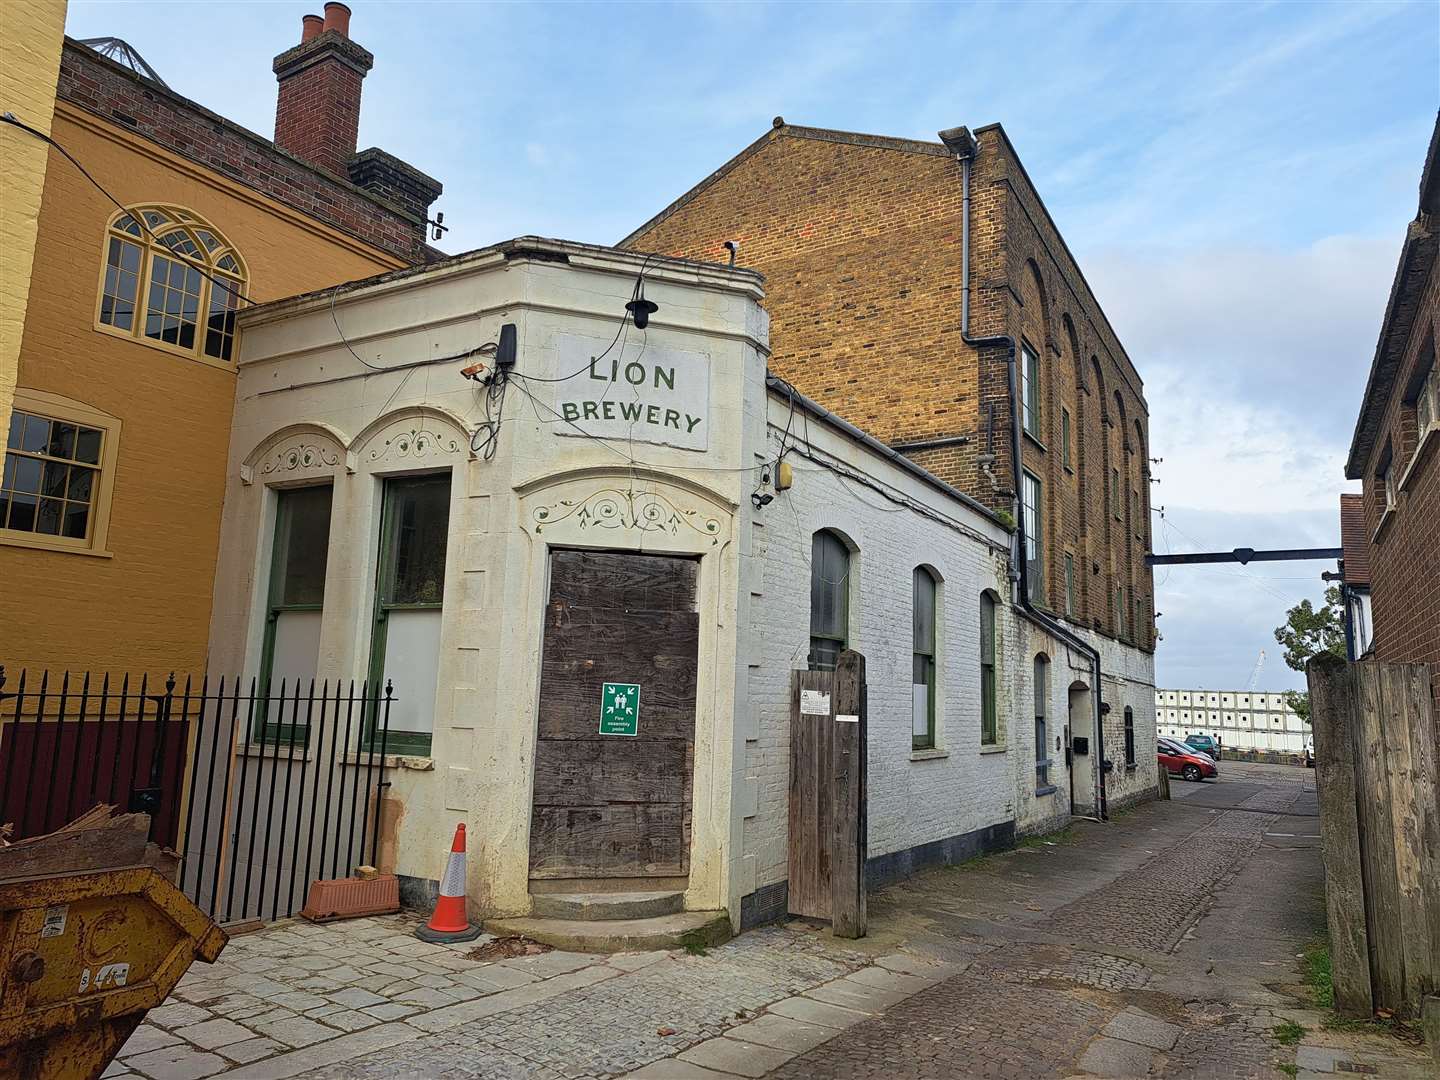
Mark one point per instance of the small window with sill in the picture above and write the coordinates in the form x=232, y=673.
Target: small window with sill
x=173, y=281
x=1065, y=438
x=58, y=474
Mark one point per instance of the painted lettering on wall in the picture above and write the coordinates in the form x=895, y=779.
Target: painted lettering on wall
x=642, y=394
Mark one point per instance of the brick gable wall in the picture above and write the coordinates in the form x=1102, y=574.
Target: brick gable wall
x=859, y=239
x=120, y=97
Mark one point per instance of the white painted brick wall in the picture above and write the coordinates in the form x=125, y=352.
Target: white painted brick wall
x=910, y=801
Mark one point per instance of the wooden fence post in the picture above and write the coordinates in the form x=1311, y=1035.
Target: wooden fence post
x=1377, y=841
x=1332, y=708
x=1405, y=696
x=847, y=865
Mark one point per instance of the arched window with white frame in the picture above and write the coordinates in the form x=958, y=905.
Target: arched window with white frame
x=171, y=280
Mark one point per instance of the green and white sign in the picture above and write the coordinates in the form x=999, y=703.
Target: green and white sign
x=620, y=708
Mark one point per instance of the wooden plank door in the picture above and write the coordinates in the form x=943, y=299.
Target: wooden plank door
x=616, y=806
x=828, y=797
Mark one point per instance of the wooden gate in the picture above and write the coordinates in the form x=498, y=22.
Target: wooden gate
x=1379, y=788
x=610, y=803
x=827, y=795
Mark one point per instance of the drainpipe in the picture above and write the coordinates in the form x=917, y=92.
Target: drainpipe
x=962, y=144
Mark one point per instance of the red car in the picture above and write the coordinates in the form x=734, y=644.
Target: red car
x=1186, y=761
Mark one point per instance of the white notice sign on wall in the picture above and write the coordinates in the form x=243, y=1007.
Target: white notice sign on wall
x=648, y=394
x=814, y=703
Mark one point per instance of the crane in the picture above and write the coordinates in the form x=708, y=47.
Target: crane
x=1255, y=672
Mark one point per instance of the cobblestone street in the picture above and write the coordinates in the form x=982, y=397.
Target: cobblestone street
x=1159, y=944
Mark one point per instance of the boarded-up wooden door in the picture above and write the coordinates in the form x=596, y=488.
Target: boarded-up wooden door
x=828, y=812
x=616, y=806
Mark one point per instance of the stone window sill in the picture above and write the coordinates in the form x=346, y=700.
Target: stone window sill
x=1048, y=789
x=930, y=753
x=997, y=748
x=362, y=758
x=1385, y=520
x=1035, y=441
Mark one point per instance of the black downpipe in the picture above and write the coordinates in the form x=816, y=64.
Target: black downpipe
x=1039, y=618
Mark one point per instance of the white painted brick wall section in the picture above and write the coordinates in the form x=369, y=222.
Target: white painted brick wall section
x=910, y=801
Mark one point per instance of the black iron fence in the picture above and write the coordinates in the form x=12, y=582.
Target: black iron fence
x=260, y=789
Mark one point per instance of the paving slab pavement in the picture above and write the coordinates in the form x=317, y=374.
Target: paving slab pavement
x=1084, y=955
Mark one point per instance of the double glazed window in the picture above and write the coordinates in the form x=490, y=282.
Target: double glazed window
x=296, y=596
x=989, y=727
x=1042, y=738
x=51, y=478
x=409, y=596
x=829, y=600
x=1034, y=530
x=922, y=727
x=1030, y=391
x=171, y=279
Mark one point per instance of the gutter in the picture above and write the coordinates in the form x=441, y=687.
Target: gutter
x=962, y=144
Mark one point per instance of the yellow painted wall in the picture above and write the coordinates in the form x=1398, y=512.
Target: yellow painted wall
x=146, y=608
x=31, y=32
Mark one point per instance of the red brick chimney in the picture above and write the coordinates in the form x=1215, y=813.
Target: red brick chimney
x=317, y=117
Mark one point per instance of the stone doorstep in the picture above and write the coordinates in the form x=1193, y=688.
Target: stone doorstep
x=595, y=906
x=702, y=928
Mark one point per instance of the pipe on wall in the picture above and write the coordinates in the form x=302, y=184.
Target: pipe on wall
x=964, y=147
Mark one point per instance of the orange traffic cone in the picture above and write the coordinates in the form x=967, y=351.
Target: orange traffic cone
x=449, y=923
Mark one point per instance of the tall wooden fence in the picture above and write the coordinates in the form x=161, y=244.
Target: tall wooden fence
x=1376, y=762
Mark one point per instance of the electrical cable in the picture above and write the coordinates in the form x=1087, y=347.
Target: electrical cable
x=228, y=286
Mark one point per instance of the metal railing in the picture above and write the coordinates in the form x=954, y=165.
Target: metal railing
x=261, y=790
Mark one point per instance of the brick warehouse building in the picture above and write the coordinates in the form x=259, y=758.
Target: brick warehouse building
x=114, y=466
x=863, y=241
x=1396, y=446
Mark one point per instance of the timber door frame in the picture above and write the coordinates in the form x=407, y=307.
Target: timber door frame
x=554, y=858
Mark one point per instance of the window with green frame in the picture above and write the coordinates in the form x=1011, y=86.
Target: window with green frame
x=1069, y=584
x=294, y=606
x=829, y=600
x=409, y=598
x=922, y=727
x=989, y=724
x=1065, y=437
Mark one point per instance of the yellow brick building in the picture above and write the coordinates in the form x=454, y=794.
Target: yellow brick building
x=30, y=37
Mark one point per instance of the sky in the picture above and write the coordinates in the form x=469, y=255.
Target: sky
x=1234, y=180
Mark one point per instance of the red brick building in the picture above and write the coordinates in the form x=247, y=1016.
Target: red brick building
x=864, y=241
x=1396, y=448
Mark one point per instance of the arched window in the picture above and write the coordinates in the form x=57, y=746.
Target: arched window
x=1129, y=736
x=829, y=600
x=171, y=280
x=922, y=728
x=1042, y=738
x=989, y=727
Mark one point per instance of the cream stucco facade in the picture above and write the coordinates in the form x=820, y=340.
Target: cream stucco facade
x=612, y=438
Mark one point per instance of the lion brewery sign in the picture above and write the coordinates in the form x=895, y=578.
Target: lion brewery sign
x=638, y=394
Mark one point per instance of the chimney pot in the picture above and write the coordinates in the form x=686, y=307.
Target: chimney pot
x=310, y=26
x=337, y=17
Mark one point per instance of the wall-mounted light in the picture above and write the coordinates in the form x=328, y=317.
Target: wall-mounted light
x=640, y=308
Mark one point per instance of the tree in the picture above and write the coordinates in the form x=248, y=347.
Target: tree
x=1308, y=632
